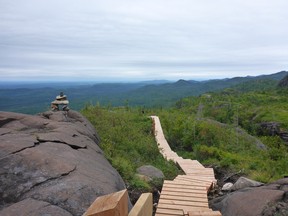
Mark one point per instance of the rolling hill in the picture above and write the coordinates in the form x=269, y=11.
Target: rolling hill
x=36, y=98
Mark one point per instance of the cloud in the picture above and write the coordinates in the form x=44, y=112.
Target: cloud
x=141, y=40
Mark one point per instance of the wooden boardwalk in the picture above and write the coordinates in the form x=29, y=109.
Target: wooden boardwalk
x=186, y=194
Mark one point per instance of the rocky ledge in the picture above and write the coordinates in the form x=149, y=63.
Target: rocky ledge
x=250, y=198
x=51, y=164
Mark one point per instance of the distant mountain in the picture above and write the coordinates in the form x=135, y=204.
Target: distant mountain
x=151, y=82
x=148, y=93
x=166, y=94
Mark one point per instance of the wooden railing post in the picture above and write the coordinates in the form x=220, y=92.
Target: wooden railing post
x=144, y=206
x=115, y=204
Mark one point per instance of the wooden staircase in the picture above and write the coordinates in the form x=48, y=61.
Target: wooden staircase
x=186, y=194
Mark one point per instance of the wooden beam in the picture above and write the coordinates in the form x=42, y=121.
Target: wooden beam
x=143, y=206
x=204, y=213
x=184, y=194
x=184, y=203
x=111, y=204
x=170, y=211
x=184, y=198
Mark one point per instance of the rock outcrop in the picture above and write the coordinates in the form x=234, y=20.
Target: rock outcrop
x=266, y=200
x=284, y=82
x=150, y=172
x=273, y=129
x=51, y=163
x=243, y=182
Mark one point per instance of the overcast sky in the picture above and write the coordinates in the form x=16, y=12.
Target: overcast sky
x=126, y=40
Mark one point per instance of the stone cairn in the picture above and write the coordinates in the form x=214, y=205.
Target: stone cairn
x=60, y=102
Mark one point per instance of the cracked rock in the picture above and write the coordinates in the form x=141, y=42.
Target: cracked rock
x=51, y=164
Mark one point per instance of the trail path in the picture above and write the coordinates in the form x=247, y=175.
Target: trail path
x=186, y=194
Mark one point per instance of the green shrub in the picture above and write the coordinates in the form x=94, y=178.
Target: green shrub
x=128, y=142
x=139, y=184
x=123, y=166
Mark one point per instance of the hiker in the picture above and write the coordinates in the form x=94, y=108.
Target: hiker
x=60, y=100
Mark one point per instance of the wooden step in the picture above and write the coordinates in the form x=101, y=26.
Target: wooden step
x=196, y=178
x=184, y=194
x=193, y=182
x=188, y=163
x=169, y=211
x=184, y=203
x=184, y=186
x=184, y=198
x=185, y=208
x=184, y=190
x=201, y=170
x=204, y=213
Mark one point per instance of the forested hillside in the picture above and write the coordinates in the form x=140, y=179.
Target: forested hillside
x=243, y=132
x=229, y=130
x=243, y=128
x=34, y=98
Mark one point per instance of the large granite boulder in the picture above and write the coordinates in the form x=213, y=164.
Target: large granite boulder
x=266, y=200
x=243, y=182
x=51, y=163
x=150, y=171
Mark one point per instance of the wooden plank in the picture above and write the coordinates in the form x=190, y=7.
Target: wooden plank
x=193, y=182
x=200, y=174
x=193, y=178
x=190, y=165
x=163, y=214
x=169, y=185
x=208, y=170
x=185, y=208
x=184, y=194
x=189, y=161
x=171, y=153
x=183, y=203
x=184, y=190
x=204, y=171
x=179, y=182
x=143, y=206
x=191, y=187
x=191, y=172
x=170, y=211
x=184, y=198
x=111, y=204
x=160, y=214
x=197, y=184
x=204, y=213
x=199, y=178
x=208, y=185
x=190, y=176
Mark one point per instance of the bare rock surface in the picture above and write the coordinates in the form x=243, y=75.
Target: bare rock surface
x=150, y=171
x=243, y=182
x=266, y=200
x=51, y=164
